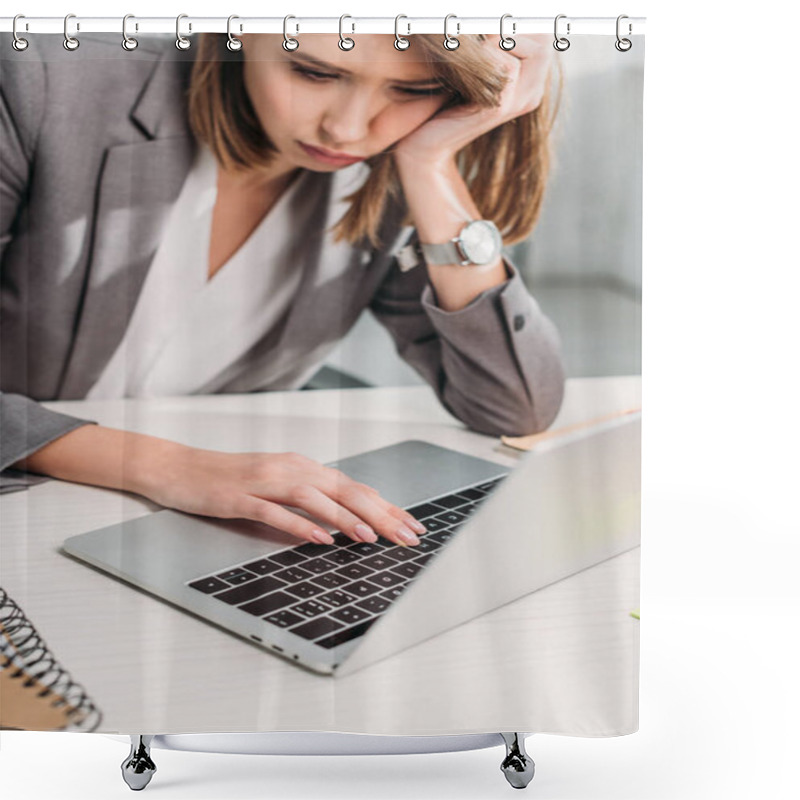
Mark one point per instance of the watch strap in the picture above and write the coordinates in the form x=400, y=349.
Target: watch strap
x=447, y=253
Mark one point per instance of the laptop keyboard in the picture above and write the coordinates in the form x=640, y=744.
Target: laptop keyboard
x=330, y=594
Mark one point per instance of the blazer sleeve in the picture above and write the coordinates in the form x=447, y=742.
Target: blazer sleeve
x=25, y=425
x=495, y=364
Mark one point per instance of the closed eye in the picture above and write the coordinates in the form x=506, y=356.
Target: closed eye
x=319, y=77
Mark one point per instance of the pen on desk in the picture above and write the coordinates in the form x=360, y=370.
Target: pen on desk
x=526, y=442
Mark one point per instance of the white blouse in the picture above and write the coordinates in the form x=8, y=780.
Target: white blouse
x=185, y=329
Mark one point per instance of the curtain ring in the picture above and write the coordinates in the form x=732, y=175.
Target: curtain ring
x=400, y=42
x=290, y=43
x=561, y=43
x=233, y=44
x=181, y=42
x=506, y=42
x=128, y=43
x=19, y=44
x=70, y=42
x=623, y=45
x=450, y=42
x=345, y=42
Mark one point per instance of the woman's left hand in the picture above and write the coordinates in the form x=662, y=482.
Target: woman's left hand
x=446, y=133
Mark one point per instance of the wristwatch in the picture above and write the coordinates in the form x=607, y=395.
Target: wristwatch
x=478, y=243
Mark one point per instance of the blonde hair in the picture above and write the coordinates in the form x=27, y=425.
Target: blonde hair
x=505, y=169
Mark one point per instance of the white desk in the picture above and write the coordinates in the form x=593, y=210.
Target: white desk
x=570, y=662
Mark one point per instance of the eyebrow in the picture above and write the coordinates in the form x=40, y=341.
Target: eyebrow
x=331, y=68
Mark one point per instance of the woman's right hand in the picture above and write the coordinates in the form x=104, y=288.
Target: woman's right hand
x=257, y=486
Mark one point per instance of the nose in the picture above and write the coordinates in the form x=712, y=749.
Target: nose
x=349, y=116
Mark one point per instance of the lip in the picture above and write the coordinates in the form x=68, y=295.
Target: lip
x=328, y=157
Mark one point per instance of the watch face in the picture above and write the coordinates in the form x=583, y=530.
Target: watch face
x=481, y=241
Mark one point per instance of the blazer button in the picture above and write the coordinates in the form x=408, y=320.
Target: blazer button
x=519, y=322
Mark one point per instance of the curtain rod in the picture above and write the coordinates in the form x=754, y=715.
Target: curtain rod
x=349, y=25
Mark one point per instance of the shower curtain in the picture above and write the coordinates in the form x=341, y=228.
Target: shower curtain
x=259, y=289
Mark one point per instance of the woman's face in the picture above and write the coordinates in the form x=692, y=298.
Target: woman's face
x=354, y=103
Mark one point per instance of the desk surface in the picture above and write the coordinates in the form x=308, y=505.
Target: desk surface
x=570, y=651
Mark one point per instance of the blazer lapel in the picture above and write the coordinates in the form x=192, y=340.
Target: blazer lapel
x=138, y=185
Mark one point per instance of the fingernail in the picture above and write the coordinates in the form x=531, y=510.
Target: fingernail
x=405, y=534
x=365, y=533
x=321, y=537
x=417, y=526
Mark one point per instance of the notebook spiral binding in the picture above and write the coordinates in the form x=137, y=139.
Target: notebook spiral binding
x=292, y=42
x=24, y=651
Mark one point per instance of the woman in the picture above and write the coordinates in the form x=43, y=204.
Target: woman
x=103, y=164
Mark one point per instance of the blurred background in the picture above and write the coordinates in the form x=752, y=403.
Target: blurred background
x=583, y=261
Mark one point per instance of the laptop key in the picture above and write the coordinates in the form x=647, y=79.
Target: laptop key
x=427, y=544
x=424, y=559
x=347, y=635
x=287, y=558
x=343, y=556
x=433, y=524
x=330, y=580
x=236, y=576
x=313, y=549
x=365, y=549
x=209, y=585
x=361, y=588
x=451, y=516
x=337, y=598
x=293, y=575
x=284, y=619
x=353, y=571
x=350, y=614
x=472, y=494
x=442, y=536
x=322, y=626
x=311, y=608
x=305, y=590
x=378, y=562
x=388, y=578
x=403, y=553
x=272, y=602
x=263, y=566
x=375, y=604
x=394, y=592
x=408, y=570
x=317, y=565
x=425, y=510
x=250, y=590
x=451, y=501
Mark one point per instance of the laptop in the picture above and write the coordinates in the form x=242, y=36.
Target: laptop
x=493, y=536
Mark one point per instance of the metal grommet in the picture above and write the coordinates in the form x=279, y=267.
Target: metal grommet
x=290, y=44
x=506, y=42
x=70, y=42
x=560, y=43
x=345, y=42
x=233, y=44
x=400, y=42
x=19, y=44
x=450, y=42
x=623, y=45
x=181, y=42
x=128, y=42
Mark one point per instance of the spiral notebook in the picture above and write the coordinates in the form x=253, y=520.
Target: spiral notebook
x=36, y=692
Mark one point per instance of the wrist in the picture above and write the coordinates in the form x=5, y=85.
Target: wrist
x=421, y=164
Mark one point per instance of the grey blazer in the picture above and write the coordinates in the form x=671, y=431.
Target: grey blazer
x=94, y=149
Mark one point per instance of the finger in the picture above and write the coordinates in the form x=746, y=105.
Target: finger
x=316, y=502
x=260, y=510
x=400, y=513
x=337, y=482
x=367, y=506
